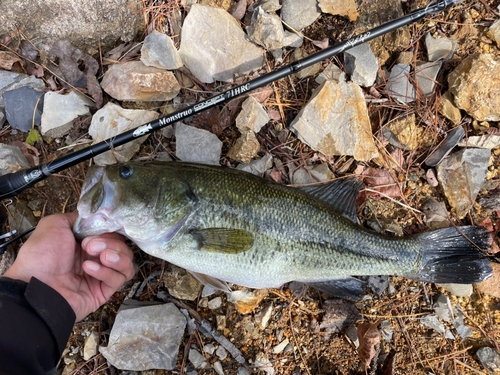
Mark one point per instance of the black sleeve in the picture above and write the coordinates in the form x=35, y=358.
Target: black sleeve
x=35, y=324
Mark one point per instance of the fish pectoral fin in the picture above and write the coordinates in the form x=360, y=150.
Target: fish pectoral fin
x=348, y=287
x=223, y=240
x=341, y=194
x=212, y=281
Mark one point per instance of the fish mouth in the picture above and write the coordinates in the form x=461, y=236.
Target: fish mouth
x=97, y=203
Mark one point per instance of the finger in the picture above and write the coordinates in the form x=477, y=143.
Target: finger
x=118, y=262
x=111, y=280
x=97, y=244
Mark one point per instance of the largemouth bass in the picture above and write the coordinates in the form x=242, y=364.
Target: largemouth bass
x=225, y=225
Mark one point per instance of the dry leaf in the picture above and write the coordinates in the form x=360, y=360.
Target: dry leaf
x=276, y=176
x=34, y=160
x=273, y=114
x=369, y=337
x=10, y=61
x=29, y=51
x=227, y=115
x=381, y=180
x=262, y=94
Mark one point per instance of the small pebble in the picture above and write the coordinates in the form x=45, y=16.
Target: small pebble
x=209, y=349
x=280, y=347
x=215, y=303
x=221, y=353
x=218, y=368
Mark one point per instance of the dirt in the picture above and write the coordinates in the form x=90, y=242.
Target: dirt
x=414, y=348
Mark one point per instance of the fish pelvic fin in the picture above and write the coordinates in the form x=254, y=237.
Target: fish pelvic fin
x=212, y=281
x=349, y=288
x=454, y=255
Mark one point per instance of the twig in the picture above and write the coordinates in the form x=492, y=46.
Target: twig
x=296, y=342
x=393, y=200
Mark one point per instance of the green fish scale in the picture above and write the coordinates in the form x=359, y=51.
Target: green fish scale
x=296, y=236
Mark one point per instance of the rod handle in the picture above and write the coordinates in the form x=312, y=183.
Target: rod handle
x=11, y=184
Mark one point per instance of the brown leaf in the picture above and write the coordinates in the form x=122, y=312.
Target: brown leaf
x=381, y=180
x=94, y=89
x=227, y=115
x=262, y=94
x=10, y=61
x=273, y=114
x=30, y=52
x=276, y=176
x=33, y=158
x=369, y=337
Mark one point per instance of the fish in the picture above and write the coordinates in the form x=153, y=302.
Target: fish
x=227, y=226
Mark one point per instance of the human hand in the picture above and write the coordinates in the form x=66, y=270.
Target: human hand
x=86, y=275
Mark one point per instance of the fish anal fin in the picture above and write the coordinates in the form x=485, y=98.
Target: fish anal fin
x=341, y=194
x=349, y=287
x=223, y=240
x=212, y=281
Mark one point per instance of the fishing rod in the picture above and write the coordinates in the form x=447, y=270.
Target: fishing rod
x=14, y=183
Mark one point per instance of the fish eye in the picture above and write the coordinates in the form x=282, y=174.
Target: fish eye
x=126, y=171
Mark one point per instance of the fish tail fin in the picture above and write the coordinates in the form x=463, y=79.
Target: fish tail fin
x=455, y=255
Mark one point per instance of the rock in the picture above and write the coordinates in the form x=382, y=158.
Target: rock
x=426, y=75
x=335, y=122
x=399, y=86
x=446, y=146
x=373, y=13
x=218, y=368
x=221, y=322
x=386, y=330
x=340, y=314
x=245, y=301
x=472, y=84
x=197, y=359
x=293, y=40
x=239, y=9
x=408, y=135
x=208, y=291
x=112, y=120
x=269, y=5
x=432, y=321
x=159, y=51
x=443, y=309
x=361, y=64
x=494, y=32
x=266, y=30
x=405, y=57
x=440, y=49
x=214, y=47
x=90, y=347
x=11, y=159
x=461, y=176
x=243, y=371
x=299, y=54
x=134, y=81
x=257, y=166
x=489, y=358
x=146, y=338
x=74, y=20
x=209, y=349
x=431, y=178
x=319, y=172
x=352, y=333
x=20, y=106
x=489, y=141
x=491, y=203
x=448, y=109
x=2, y=119
x=215, y=303
x=253, y=116
x=459, y=290
x=299, y=14
x=339, y=7
x=378, y=284
x=59, y=111
x=436, y=215
x=181, y=284
x=262, y=363
x=221, y=353
x=197, y=145
x=21, y=217
x=492, y=285
x=281, y=346
x=262, y=318
x=245, y=148
x=332, y=72
x=11, y=81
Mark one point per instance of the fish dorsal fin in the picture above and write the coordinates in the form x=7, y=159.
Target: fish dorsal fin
x=340, y=194
x=223, y=240
x=348, y=287
x=212, y=281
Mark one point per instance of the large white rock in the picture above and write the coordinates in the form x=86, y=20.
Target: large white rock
x=214, y=47
x=146, y=338
x=335, y=122
x=112, y=120
x=59, y=111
